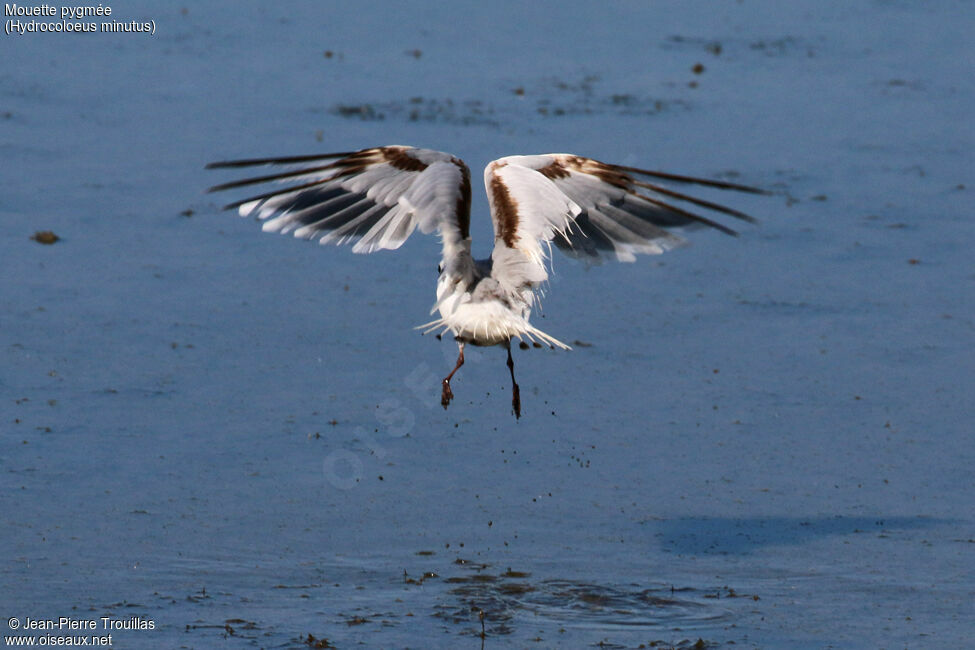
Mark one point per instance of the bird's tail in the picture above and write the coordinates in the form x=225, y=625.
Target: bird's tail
x=521, y=330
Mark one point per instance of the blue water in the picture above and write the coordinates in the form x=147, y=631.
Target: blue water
x=764, y=441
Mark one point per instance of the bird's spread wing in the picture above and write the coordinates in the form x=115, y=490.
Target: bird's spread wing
x=373, y=198
x=588, y=209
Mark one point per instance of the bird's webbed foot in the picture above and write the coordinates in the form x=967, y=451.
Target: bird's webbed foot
x=446, y=395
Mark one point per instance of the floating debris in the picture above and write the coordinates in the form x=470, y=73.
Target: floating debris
x=312, y=642
x=45, y=237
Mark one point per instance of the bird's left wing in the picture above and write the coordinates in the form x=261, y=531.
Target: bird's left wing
x=588, y=209
x=374, y=198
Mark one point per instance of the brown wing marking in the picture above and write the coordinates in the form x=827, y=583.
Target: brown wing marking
x=506, y=210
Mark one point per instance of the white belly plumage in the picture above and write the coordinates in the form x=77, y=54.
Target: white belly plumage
x=484, y=318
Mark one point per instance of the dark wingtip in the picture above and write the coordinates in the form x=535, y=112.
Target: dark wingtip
x=223, y=186
x=691, y=199
x=681, y=178
x=221, y=164
x=280, y=160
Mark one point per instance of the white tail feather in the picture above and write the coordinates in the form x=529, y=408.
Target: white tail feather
x=520, y=331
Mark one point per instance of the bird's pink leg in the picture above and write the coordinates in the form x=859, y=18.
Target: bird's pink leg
x=515, y=392
x=448, y=394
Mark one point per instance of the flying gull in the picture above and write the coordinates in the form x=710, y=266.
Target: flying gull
x=375, y=198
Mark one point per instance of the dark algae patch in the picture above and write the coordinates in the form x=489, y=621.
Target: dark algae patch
x=45, y=237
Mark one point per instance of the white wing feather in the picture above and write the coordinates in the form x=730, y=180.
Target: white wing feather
x=588, y=209
x=374, y=198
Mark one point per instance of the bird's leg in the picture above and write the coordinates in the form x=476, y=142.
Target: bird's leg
x=448, y=394
x=515, y=392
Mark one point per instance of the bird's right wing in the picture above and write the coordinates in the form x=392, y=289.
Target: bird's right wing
x=373, y=198
x=588, y=209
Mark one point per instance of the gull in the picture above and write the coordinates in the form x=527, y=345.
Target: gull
x=375, y=198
